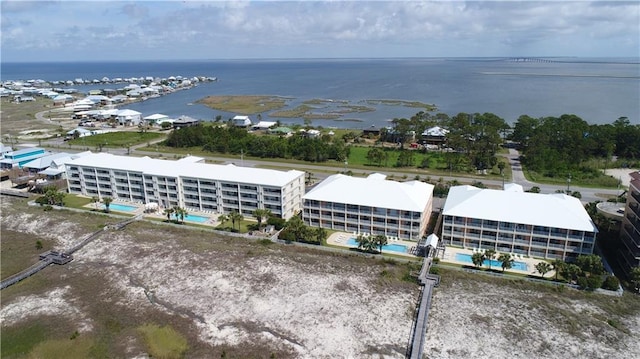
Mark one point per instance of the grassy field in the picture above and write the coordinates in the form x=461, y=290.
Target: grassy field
x=117, y=139
x=244, y=104
x=17, y=117
x=599, y=181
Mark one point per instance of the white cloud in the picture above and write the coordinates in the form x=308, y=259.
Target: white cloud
x=246, y=29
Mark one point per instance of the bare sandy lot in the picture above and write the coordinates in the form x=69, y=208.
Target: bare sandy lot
x=622, y=174
x=230, y=292
x=252, y=300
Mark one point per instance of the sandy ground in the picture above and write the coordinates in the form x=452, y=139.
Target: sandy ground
x=315, y=310
x=312, y=308
x=489, y=321
x=622, y=174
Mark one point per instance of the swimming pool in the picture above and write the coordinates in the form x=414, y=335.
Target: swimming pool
x=394, y=247
x=120, y=207
x=494, y=263
x=193, y=218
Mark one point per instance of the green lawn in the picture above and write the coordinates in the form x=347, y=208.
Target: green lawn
x=600, y=181
x=117, y=139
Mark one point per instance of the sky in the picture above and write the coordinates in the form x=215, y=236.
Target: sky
x=197, y=30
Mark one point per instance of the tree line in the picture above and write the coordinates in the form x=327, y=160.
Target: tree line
x=558, y=146
x=234, y=140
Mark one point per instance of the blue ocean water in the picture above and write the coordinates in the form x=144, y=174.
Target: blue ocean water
x=597, y=90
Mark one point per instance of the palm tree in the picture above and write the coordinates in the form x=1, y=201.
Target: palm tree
x=488, y=255
x=370, y=244
x=180, y=213
x=380, y=240
x=260, y=214
x=543, y=268
x=107, y=201
x=236, y=217
x=53, y=196
x=223, y=218
x=506, y=261
x=478, y=259
x=558, y=265
x=362, y=241
x=321, y=234
x=168, y=212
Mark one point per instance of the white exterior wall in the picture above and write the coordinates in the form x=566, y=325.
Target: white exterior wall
x=526, y=239
x=371, y=205
x=407, y=225
x=629, y=252
x=538, y=225
x=192, y=193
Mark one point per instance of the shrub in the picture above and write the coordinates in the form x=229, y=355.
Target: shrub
x=434, y=270
x=595, y=281
x=611, y=283
x=278, y=223
x=582, y=282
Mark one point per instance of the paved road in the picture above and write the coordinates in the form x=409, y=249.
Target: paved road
x=320, y=172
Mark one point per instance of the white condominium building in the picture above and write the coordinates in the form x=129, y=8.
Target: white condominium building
x=629, y=252
x=189, y=183
x=539, y=225
x=372, y=205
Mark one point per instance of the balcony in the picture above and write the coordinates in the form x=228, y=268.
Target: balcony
x=633, y=235
x=539, y=244
x=633, y=220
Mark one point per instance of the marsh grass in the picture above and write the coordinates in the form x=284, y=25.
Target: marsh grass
x=163, y=342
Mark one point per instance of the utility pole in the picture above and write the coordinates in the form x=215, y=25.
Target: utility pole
x=242, y=158
x=569, y=183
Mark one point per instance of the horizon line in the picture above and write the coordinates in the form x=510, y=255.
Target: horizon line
x=321, y=58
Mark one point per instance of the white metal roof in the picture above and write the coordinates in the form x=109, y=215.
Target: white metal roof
x=156, y=116
x=45, y=161
x=374, y=191
x=169, y=168
x=550, y=210
x=435, y=131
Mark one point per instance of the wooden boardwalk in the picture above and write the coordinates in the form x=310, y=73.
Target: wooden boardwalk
x=419, y=332
x=61, y=258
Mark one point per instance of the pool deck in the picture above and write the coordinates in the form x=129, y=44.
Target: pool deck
x=341, y=238
x=159, y=214
x=450, y=257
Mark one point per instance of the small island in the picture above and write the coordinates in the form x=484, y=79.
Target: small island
x=314, y=109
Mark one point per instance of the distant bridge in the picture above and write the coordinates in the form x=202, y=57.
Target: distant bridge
x=529, y=59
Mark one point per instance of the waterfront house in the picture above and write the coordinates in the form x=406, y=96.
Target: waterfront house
x=241, y=121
